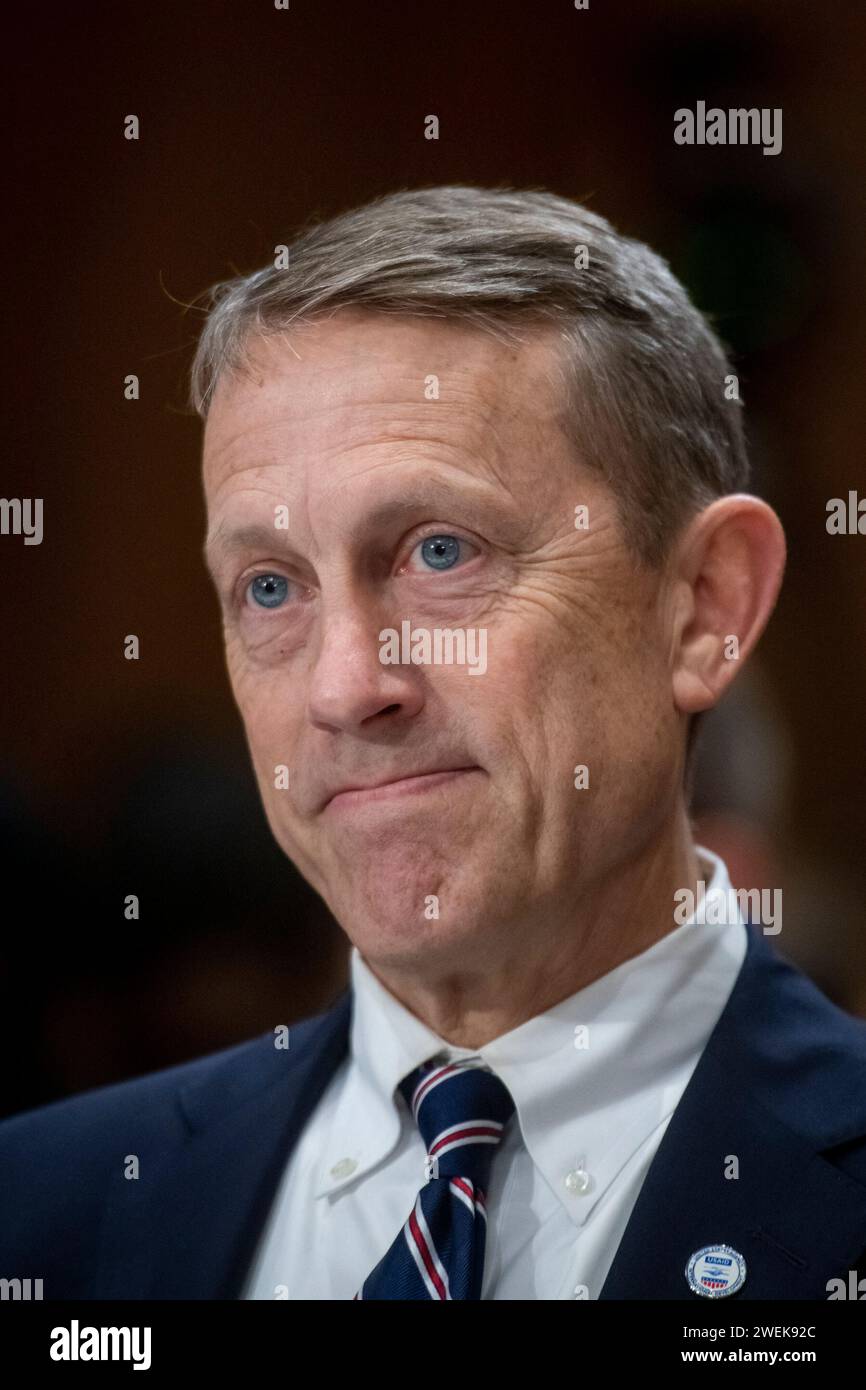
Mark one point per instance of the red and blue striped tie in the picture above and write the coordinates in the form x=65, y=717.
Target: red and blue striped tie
x=461, y=1109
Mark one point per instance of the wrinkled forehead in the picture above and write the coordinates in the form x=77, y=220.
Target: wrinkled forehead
x=337, y=382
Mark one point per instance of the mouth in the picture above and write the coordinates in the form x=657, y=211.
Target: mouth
x=418, y=784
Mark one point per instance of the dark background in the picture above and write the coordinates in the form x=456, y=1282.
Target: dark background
x=122, y=777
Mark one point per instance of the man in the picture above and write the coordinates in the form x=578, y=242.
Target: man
x=474, y=472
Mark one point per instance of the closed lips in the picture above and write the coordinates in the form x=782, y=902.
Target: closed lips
x=404, y=778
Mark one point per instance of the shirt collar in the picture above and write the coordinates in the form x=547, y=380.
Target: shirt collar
x=591, y=1077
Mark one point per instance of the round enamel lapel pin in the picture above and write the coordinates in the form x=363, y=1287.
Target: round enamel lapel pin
x=716, y=1271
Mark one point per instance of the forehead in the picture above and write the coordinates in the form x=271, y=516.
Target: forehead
x=357, y=378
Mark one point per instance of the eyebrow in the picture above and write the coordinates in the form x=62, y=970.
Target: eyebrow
x=227, y=540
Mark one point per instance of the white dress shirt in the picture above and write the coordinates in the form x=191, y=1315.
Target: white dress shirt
x=591, y=1108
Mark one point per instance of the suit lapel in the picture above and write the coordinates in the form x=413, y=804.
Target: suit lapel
x=209, y=1198
x=795, y=1217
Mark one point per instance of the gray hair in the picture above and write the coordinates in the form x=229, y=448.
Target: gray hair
x=643, y=372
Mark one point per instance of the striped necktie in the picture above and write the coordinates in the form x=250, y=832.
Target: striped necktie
x=461, y=1109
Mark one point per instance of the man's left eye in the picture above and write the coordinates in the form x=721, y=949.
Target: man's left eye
x=440, y=552
x=268, y=590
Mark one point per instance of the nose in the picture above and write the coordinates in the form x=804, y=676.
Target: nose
x=349, y=686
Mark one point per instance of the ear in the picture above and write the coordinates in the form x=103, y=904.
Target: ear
x=727, y=571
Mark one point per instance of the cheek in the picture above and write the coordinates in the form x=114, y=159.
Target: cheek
x=580, y=700
x=265, y=709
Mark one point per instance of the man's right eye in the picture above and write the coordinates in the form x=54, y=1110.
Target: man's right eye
x=268, y=590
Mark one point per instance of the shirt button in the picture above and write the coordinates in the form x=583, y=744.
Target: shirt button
x=344, y=1168
x=578, y=1181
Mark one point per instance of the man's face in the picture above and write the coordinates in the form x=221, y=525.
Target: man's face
x=456, y=512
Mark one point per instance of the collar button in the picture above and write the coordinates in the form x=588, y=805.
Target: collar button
x=578, y=1182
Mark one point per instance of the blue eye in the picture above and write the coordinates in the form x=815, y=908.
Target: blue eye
x=440, y=552
x=269, y=590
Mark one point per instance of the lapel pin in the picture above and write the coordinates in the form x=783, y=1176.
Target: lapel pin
x=716, y=1271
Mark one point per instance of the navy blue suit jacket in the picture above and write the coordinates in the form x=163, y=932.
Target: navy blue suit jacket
x=781, y=1084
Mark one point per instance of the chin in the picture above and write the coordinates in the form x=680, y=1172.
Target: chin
x=402, y=937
